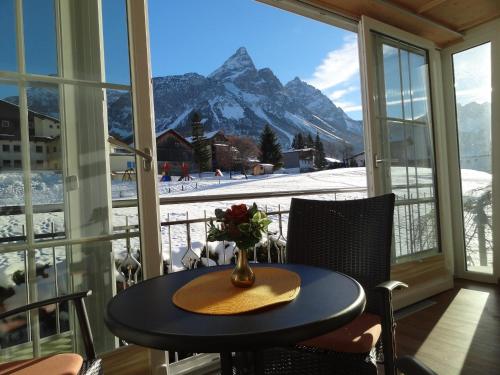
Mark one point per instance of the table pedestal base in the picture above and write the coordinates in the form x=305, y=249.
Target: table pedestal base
x=226, y=363
x=244, y=362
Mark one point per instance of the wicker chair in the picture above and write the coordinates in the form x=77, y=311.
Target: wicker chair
x=65, y=363
x=352, y=237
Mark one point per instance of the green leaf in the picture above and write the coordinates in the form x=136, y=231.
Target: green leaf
x=244, y=227
x=219, y=213
x=257, y=216
x=265, y=223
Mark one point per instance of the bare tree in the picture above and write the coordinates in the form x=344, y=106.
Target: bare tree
x=247, y=148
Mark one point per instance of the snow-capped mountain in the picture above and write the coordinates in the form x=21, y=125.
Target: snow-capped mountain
x=237, y=98
x=240, y=99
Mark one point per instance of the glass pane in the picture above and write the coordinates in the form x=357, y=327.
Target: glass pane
x=40, y=37
x=12, y=214
x=407, y=154
x=392, y=82
x=92, y=267
x=413, y=183
x=52, y=280
x=8, y=57
x=102, y=185
x=473, y=108
x=419, y=90
x=124, y=189
x=406, y=85
x=81, y=40
x=115, y=33
x=13, y=331
x=94, y=44
x=46, y=161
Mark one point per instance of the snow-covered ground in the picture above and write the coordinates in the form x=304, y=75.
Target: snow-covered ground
x=47, y=188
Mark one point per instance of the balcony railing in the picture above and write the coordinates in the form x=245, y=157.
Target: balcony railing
x=415, y=232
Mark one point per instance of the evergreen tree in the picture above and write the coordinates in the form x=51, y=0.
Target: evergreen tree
x=202, y=153
x=270, y=149
x=298, y=141
x=294, y=142
x=319, y=161
x=309, y=141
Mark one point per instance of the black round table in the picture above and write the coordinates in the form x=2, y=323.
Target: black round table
x=145, y=315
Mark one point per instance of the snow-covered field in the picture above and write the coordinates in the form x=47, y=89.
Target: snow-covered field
x=47, y=189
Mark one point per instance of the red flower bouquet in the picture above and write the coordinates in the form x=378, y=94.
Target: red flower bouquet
x=241, y=224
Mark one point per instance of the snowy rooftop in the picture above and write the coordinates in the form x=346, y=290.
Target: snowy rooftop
x=208, y=135
x=333, y=160
x=297, y=150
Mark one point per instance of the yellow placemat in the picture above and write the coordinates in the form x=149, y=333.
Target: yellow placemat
x=214, y=294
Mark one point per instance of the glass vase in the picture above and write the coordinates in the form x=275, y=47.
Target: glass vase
x=242, y=276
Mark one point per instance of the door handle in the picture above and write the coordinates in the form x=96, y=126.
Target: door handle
x=146, y=154
x=378, y=161
x=381, y=161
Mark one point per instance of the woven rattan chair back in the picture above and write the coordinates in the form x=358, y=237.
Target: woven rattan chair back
x=352, y=237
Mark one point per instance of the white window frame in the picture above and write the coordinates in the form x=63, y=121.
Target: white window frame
x=373, y=139
x=148, y=199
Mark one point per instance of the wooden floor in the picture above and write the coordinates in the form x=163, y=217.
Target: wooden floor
x=460, y=334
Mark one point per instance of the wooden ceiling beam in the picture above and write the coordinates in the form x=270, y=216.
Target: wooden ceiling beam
x=331, y=7
x=430, y=5
x=422, y=18
x=385, y=11
x=478, y=22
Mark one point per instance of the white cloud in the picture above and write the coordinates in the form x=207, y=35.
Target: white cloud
x=338, y=94
x=349, y=106
x=472, y=69
x=338, y=67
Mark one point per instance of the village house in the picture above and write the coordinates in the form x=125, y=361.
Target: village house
x=223, y=155
x=302, y=159
x=174, y=149
x=44, y=136
x=332, y=163
x=357, y=160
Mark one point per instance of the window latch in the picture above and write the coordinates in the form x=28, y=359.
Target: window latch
x=146, y=154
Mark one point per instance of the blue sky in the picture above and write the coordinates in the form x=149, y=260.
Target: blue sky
x=198, y=35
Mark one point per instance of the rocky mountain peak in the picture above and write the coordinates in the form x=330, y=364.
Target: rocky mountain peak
x=297, y=85
x=295, y=81
x=235, y=65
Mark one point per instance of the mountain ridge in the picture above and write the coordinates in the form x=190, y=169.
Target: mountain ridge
x=238, y=99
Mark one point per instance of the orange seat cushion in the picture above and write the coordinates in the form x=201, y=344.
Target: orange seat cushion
x=358, y=336
x=59, y=364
